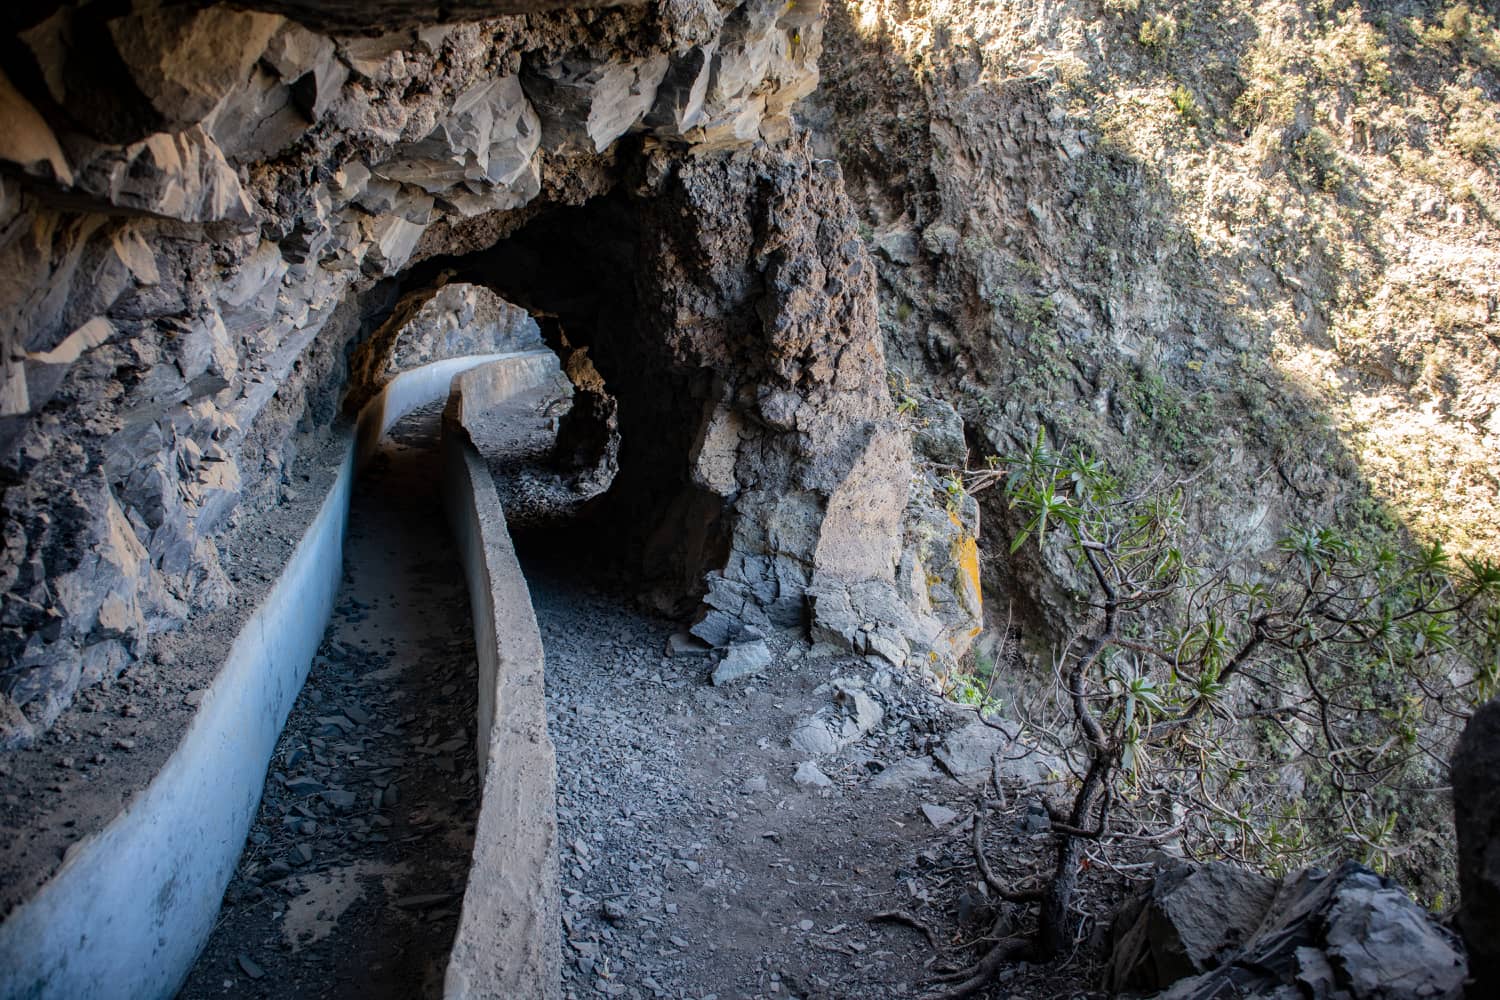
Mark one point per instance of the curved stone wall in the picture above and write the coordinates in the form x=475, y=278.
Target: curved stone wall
x=509, y=941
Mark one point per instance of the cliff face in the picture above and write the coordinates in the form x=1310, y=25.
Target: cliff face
x=204, y=210
x=1255, y=243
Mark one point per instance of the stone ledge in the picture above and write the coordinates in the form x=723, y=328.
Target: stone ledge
x=509, y=940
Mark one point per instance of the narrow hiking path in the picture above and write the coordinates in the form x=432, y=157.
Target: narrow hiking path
x=694, y=863
x=352, y=877
x=703, y=855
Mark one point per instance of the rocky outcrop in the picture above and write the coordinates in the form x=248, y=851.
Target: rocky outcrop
x=1190, y=920
x=204, y=210
x=1345, y=935
x=730, y=317
x=1476, y=808
x=1095, y=219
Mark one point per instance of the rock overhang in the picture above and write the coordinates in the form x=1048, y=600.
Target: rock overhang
x=198, y=189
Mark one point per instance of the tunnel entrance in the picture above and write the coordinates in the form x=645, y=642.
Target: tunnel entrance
x=637, y=400
x=717, y=315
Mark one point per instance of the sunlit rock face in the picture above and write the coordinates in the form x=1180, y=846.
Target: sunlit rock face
x=205, y=212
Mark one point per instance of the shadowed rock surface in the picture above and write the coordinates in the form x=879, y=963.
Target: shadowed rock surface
x=212, y=208
x=1476, y=807
x=1345, y=934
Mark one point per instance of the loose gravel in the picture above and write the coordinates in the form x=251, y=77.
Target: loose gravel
x=694, y=862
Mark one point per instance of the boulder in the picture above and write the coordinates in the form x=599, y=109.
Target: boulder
x=1191, y=920
x=967, y=753
x=1346, y=935
x=907, y=772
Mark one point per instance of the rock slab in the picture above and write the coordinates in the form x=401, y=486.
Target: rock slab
x=1346, y=935
x=743, y=660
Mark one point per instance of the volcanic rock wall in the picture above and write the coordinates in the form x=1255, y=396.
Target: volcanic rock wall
x=203, y=210
x=1156, y=230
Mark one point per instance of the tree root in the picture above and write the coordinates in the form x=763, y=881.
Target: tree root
x=1005, y=892
x=902, y=917
x=976, y=977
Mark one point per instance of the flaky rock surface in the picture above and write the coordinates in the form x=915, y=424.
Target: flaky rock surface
x=206, y=210
x=1346, y=933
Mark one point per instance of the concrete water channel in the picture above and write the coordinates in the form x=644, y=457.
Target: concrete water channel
x=353, y=874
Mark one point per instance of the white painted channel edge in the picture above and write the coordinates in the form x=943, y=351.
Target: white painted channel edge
x=133, y=904
x=509, y=940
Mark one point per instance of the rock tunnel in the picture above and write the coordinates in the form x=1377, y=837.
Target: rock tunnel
x=757, y=455
x=311, y=311
x=651, y=203
x=218, y=227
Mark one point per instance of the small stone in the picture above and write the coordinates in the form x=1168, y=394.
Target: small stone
x=302, y=854
x=125, y=744
x=251, y=969
x=810, y=776
x=742, y=660
x=1035, y=821
x=805, y=925
x=195, y=698
x=614, y=911
x=754, y=786
x=812, y=736
x=938, y=815
x=340, y=800
x=686, y=644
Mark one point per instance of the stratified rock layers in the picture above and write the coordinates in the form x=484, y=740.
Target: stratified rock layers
x=207, y=210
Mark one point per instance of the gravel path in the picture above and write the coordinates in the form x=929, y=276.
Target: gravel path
x=696, y=863
x=354, y=870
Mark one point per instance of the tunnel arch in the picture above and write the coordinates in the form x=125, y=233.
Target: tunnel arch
x=728, y=305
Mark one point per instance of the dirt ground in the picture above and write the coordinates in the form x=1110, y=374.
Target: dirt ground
x=695, y=862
